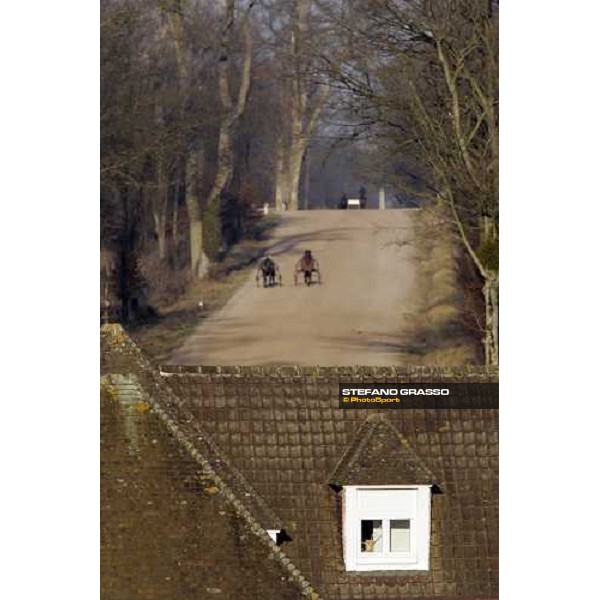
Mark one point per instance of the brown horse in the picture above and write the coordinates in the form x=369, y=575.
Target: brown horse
x=307, y=265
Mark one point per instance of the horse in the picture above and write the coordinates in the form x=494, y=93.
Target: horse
x=269, y=271
x=307, y=265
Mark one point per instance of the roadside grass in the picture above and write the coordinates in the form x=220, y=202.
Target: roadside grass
x=441, y=323
x=160, y=335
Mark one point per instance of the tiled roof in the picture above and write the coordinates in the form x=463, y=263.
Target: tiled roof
x=132, y=379
x=284, y=431
x=167, y=529
x=280, y=433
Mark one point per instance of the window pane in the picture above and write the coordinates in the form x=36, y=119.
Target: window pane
x=400, y=535
x=371, y=536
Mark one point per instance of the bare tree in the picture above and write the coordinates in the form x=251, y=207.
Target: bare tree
x=204, y=216
x=233, y=105
x=193, y=157
x=306, y=99
x=298, y=38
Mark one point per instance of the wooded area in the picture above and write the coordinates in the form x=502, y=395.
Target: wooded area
x=208, y=109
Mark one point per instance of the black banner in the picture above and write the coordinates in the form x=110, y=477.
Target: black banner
x=418, y=395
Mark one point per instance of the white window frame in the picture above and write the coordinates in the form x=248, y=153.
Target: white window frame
x=416, y=559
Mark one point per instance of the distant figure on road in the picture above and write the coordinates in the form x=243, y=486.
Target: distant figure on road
x=344, y=202
x=307, y=265
x=362, y=196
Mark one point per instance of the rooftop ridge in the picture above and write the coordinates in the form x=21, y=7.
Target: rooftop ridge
x=404, y=441
x=465, y=373
x=184, y=427
x=361, y=438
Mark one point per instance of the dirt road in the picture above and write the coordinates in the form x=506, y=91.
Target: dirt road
x=358, y=316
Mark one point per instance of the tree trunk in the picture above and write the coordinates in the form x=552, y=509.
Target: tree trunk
x=160, y=208
x=304, y=122
x=224, y=165
x=194, y=167
x=280, y=176
x=194, y=161
x=296, y=157
x=175, y=212
x=232, y=108
x=232, y=111
x=199, y=260
x=305, y=107
x=160, y=227
x=306, y=176
x=298, y=145
x=491, y=295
